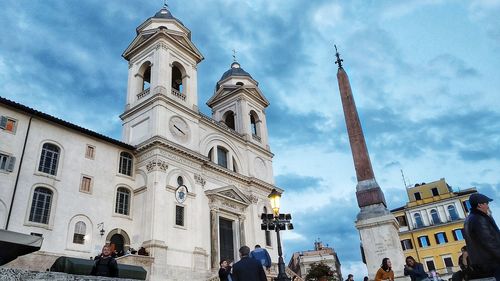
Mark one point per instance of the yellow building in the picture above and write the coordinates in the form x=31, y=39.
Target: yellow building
x=431, y=225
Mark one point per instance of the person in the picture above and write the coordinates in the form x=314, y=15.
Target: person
x=105, y=264
x=385, y=271
x=262, y=256
x=350, y=277
x=248, y=269
x=482, y=238
x=465, y=269
x=225, y=271
x=414, y=269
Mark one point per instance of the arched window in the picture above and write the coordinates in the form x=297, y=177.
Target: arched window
x=145, y=74
x=211, y=154
x=125, y=164
x=49, y=159
x=180, y=181
x=40, y=205
x=235, y=168
x=267, y=232
x=453, y=212
x=177, y=79
x=229, y=119
x=222, y=156
x=122, y=205
x=435, y=216
x=418, y=220
x=239, y=83
x=254, y=119
x=79, y=234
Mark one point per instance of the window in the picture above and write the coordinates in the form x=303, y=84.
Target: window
x=418, y=220
x=177, y=79
x=7, y=162
x=40, y=205
x=435, y=191
x=79, y=234
x=222, y=157
x=435, y=216
x=423, y=241
x=453, y=213
x=211, y=154
x=229, y=119
x=458, y=234
x=86, y=184
x=125, y=164
x=448, y=262
x=179, y=215
x=8, y=124
x=49, y=159
x=122, y=201
x=267, y=232
x=417, y=196
x=89, y=152
x=467, y=206
x=430, y=265
x=441, y=238
x=145, y=75
x=180, y=181
x=402, y=221
x=253, y=123
x=406, y=244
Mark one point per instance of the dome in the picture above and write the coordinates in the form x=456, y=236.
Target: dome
x=164, y=13
x=235, y=70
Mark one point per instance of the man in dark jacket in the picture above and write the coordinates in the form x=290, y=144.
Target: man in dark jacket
x=248, y=269
x=105, y=264
x=482, y=237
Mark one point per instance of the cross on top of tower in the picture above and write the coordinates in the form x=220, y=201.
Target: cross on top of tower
x=165, y=5
x=339, y=60
x=234, y=55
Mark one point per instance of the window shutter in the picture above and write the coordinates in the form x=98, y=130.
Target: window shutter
x=10, y=165
x=436, y=237
x=428, y=241
x=3, y=122
x=445, y=238
x=420, y=241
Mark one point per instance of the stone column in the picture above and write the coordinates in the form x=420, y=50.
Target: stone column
x=214, y=230
x=241, y=220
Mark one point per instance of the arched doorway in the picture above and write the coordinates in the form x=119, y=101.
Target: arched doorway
x=117, y=243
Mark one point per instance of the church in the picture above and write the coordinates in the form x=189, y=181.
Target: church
x=188, y=188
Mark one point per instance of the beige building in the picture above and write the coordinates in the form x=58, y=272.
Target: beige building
x=187, y=187
x=301, y=262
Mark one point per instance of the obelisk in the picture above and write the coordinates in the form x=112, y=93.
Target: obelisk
x=378, y=228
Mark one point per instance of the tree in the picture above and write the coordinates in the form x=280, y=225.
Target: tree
x=320, y=271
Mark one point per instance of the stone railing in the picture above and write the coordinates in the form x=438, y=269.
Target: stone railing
x=143, y=93
x=257, y=138
x=12, y=274
x=178, y=94
x=220, y=124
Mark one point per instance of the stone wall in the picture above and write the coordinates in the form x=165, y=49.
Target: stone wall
x=11, y=274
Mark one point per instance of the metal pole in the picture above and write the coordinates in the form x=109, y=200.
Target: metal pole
x=281, y=264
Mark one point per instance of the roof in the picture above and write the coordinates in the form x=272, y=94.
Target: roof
x=61, y=122
x=235, y=70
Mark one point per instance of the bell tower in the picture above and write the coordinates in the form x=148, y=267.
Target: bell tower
x=162, y=70
x=238, y=103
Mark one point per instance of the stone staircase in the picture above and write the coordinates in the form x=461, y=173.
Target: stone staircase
x=273, y=273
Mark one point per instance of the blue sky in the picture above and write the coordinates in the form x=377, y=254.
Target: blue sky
x=424, y=75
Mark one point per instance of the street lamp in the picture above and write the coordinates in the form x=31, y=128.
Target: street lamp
x=277, y=222
x=101, y=226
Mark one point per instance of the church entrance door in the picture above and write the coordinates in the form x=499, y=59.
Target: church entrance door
x=226, y=239
x=117, y=243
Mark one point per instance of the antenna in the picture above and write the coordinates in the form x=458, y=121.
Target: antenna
x=404, y=180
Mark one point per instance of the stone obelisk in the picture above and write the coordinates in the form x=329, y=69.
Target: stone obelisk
x=378, y=228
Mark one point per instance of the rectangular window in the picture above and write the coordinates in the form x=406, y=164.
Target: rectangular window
x=441, y=238
x=467, y=205
x=89, y=152
x=86, y=184
x=268, y=238
x=423, y=241
x=8, y=124
x=7, y=162
x=222, y=157
x=402, y=221
x=448, y=262
x=430, y=265
x=435, y=191
x=417, y=196
x=458, y=234
x=179, y=215
x=406, y=244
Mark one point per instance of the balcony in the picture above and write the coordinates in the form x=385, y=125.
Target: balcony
x=178, y=94
x=432, y=223
x=143, y=93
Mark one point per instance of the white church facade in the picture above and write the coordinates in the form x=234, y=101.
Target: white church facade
x=188, y=188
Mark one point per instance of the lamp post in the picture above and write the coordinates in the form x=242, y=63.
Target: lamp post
x=277, y=222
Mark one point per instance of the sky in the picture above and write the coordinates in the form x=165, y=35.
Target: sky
x=424, y=75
